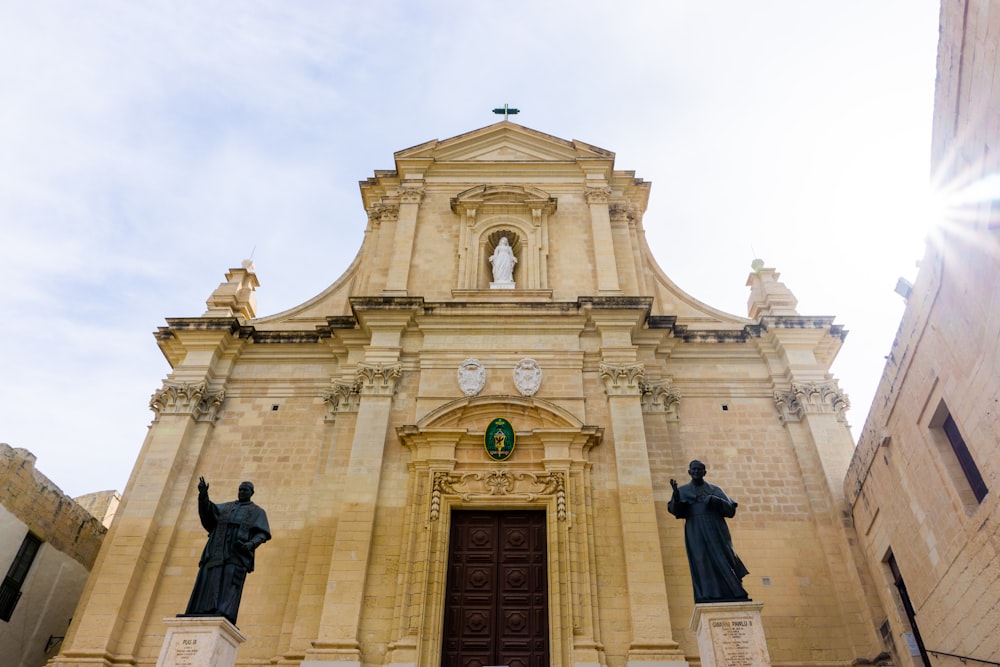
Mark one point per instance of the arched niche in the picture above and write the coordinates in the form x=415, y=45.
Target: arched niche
x=491, y=239
x=487, y=211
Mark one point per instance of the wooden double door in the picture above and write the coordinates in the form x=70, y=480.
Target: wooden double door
x=496, y=596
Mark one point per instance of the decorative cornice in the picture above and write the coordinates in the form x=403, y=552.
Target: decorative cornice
x=343, y=397
x=806, y=398
x=597, y=195
x=660, y=398
x=378, y=379
x=190, y=398
x=476, y=486
x=623, y=379
x=492, y=196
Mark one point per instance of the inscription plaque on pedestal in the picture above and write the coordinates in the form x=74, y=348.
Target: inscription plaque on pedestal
x=730, y=634
x=209, y=641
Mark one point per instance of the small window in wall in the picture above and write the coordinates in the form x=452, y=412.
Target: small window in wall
x=958, y=459
x=913, y=639
x=10, y=589
x=965, y=459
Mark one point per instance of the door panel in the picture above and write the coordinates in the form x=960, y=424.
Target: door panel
x=496, y=598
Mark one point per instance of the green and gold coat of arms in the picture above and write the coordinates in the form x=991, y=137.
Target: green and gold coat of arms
x=499, y=439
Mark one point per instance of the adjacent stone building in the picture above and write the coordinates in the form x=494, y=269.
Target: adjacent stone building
x=48, y=544
x=923, y=484
x=399, y=536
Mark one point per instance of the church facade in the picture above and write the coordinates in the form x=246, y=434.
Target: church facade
x=465, y=444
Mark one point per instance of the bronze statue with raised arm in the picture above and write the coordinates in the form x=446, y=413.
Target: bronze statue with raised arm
x=235, y=530
x=716, y=571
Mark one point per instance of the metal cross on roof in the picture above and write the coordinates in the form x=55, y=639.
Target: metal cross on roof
x=506, y=111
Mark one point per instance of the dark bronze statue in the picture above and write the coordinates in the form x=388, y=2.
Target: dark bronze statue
x=235, y=530
x=716, y=571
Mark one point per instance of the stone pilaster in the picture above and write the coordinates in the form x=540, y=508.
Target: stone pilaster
x=604, y=255
x=132, y=562
x=649, y=610
x=812, y=409
x=402, y=245
x=376, y=379
x=626, y=263
x=383, y=218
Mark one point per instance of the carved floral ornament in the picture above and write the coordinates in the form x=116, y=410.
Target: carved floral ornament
x=187, y=398
x=343, y=397
x=621, y=214
x=811, y=398
x=378, y=379
x=379, y=213
x=660, y=397
x=411, y=195
x=369, y=379
x=599, y=195
x=473, y=486
x=622, y=379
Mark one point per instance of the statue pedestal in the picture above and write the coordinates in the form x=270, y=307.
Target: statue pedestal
x=730, y=634
x=200, y=641
x=502, y=285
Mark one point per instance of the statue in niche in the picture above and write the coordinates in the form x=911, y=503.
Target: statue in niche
x=716, y=571
x=235, y=530
x=503, y=262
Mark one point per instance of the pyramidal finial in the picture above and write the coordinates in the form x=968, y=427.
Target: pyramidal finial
x=767, y=295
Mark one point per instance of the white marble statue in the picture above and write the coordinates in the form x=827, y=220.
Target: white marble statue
x=503, y=262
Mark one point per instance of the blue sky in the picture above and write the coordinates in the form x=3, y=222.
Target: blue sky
x=146, y=147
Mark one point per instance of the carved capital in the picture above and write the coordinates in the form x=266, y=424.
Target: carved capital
x=378, y=379
x=597, y=195
x=487, y=486
x=411, y=195
x=344, y=397
x=620, y=214
x=804, y=398
x=660, y=398
x=623, y=379
x=380, y=213
x=187, y=398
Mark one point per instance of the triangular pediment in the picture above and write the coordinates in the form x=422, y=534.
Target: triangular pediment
x=503, y=142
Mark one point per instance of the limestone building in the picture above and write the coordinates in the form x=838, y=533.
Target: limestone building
x=401, y=534
x=923, y=484
x=48, y=544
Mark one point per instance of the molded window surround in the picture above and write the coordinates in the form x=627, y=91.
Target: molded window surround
x=957, y=458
